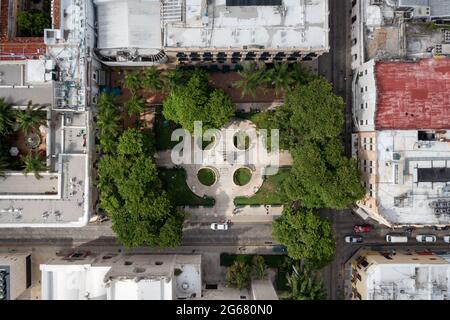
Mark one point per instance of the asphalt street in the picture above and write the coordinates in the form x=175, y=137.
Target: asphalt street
x=242, y=234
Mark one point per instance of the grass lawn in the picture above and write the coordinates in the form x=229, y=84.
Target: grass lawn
x=163, y=133
x=242, y=176
x=174, y=182
x=270, y=193
x=206, y=176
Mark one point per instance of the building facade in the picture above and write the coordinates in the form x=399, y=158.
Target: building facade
x=153, y=32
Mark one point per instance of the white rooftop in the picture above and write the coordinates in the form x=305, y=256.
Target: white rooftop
x=128, y=24
x=123, y=277
x=402, y=197
x=300, y=25
x=408, y=281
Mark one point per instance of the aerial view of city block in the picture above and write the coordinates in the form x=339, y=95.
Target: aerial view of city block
x=224, y=150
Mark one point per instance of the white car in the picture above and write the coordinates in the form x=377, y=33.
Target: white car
x=447, y=239
x=425, y=238
x=353, y=239
x=219, y=226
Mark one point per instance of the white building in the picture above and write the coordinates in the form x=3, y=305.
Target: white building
x=401, y=116
x=122, y=277
x=400, y=276
x=149, y=32
x=15, y=275
x=65, y=79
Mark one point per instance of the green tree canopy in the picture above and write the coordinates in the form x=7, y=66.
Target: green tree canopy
x=239, y=275
x=306, y=235
x=7, y=117
x=135, y=106
x=305, y=284
x=32, y=23
x=31, y=118
x=33, y=163
x=310, y=112
x=132, y=195
x=196, y=101
x=152, y=79
x=322, y=177
x=108, y=118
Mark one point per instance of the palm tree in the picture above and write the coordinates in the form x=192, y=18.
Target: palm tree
x=33, y=163
x=301, y=75
x=106, y=102
x=135, y=105
x=32, y=117
x=3, y=167
x=7, y=117
x=305, y=285
x=253, y=78
x=132, y=81
x=152, y=79
x=174, y=78
x=108, y=122
x=280, y=77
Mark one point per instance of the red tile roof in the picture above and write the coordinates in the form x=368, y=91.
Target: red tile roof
x=413, y=95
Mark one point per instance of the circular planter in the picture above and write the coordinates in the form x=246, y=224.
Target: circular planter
x=242, y=176
x=206, y=176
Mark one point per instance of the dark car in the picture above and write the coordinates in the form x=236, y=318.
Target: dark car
x=280, y=249
x=362, y=228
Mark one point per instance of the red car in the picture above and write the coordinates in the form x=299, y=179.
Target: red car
x=364, y=228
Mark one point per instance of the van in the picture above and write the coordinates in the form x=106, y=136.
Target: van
x=396, y=238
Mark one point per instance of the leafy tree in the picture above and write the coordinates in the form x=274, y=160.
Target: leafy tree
x=322, y=177
x=31, y=118
x=197, y=102
x=259, y=267
x=305, y=284
x=135, y=105
x=305, y=235
x=152, y=79
x=239, y=275
x=310, y=112
x=33, y=163
x=132, y=195
x=132, y=81
x=220, y=109
x=32, y=23
x=7, y=117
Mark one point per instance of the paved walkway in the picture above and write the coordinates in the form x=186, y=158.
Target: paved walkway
x=224, y=158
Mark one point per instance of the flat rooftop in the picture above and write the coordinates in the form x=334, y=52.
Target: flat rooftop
x=213, y=25
x=409, y=177
x=413, y=95
x=23, y=81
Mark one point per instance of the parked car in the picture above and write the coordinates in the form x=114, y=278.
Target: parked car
x=353, y=239
x=362, y=228
x=447, y=239
x=280, y=249
x=219, y=226
x=394, y=238
x=440, y=228
x=425, y=238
